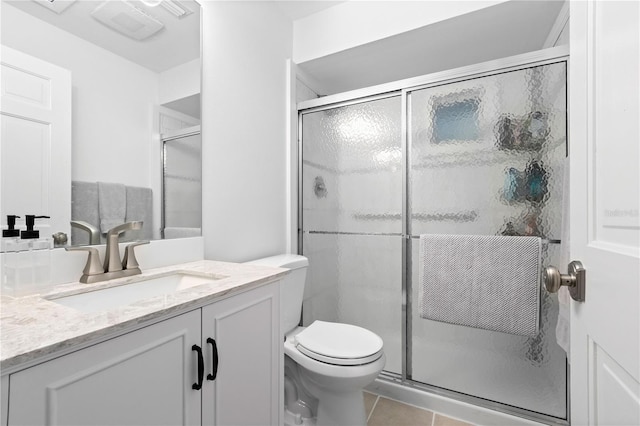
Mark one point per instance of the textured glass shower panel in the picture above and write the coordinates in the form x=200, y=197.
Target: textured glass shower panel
x=523, y=372
x=183, y=182
x=356, y=279
x=352, y=168
x=487, y=158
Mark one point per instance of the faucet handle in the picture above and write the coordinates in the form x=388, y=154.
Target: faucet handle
x=93, y=266
x=94, y=233
x=130, y=261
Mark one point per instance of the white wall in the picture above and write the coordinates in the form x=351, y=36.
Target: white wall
x=354, y=23
x=113, y=100
x=180, y=82
x=246, y=45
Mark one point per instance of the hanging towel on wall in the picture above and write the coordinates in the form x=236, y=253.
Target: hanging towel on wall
x=488, y=282
x=139, y=208
x=112, y=205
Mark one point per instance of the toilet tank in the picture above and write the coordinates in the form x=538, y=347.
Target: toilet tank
x=292, y=286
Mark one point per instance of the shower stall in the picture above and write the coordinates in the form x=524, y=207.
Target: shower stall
x=182, y=183
x=480, y=150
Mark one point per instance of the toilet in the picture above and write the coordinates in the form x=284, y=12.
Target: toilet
x=327, y=364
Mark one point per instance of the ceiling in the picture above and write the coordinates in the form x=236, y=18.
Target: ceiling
x=499, y=31
x=299, y=9
x=178, y=42
x=506, y=29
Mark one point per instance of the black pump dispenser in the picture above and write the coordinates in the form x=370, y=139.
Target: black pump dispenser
x=31, y=233
x=11, y=223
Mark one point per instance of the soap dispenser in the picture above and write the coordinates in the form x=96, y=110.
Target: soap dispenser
x=11, y=223
x=31, y=233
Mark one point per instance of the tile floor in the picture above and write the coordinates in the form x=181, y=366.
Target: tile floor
x=382, y=411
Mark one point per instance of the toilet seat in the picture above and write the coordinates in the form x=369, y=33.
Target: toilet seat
x=339, y=344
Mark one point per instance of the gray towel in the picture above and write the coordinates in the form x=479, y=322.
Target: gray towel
x=84, y=207
x=178, y=232
x=488, y=282
x=139, y=207
x=112, y=205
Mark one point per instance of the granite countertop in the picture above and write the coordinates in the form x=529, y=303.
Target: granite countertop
x=34, y=327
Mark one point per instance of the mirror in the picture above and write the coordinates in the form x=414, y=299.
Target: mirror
x=135, y=88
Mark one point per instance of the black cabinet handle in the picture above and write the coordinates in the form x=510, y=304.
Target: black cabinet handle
x=198, y=349
x=214, y=354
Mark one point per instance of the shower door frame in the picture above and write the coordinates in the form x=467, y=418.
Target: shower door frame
x=402, y=88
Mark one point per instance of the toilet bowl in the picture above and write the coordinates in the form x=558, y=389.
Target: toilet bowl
x=327, y=364
x=334, y=374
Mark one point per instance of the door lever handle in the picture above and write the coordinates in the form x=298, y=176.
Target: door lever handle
x=574, y=280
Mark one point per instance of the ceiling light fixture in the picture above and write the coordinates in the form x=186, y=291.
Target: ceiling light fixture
x=176, y=8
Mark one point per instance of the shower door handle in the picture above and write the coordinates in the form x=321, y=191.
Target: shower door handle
x=574, y=280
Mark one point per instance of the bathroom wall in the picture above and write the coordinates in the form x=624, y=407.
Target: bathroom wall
x=180, y=82
x=374, y=20
x=304, y=92
x=128, y=91
x=246, y=47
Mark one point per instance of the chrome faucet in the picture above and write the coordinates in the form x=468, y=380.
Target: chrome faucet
x=113, y=266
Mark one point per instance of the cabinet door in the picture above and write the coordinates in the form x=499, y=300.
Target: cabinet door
x=246, y=329
x=140, y=378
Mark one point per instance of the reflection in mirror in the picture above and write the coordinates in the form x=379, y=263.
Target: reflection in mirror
x=182, y=183
x=135, y=76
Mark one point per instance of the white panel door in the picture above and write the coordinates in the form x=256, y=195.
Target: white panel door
x=35, y=109
x=246, y=389
x=605, y=221
x=142, y=378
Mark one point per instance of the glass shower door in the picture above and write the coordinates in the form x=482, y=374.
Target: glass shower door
x=182, y=184
x=487, y=158
x=351, y=194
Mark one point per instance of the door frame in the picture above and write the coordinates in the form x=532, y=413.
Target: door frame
x=390, y=381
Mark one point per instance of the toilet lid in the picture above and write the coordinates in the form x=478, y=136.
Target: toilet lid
x=340, y=344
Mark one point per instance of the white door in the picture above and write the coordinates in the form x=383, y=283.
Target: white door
x=605, y=223
x=35, y=107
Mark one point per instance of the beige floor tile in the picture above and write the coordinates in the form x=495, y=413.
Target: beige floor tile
x=369, y=400
x=441, y=420
x=388, y=412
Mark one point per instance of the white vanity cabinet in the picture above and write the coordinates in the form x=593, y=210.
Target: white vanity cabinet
x=246, y=329
x=141, y=378
x=146, y=377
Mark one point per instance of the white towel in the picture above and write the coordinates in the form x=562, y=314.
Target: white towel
x=563, y=326
x=488, y=282
x=112, y=205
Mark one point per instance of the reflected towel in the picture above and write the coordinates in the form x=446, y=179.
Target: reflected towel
x=139, y=208
x=488, y=282
x=84, y=207
x=112, y=205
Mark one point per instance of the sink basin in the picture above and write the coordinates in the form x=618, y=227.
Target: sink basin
x=126, y=294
